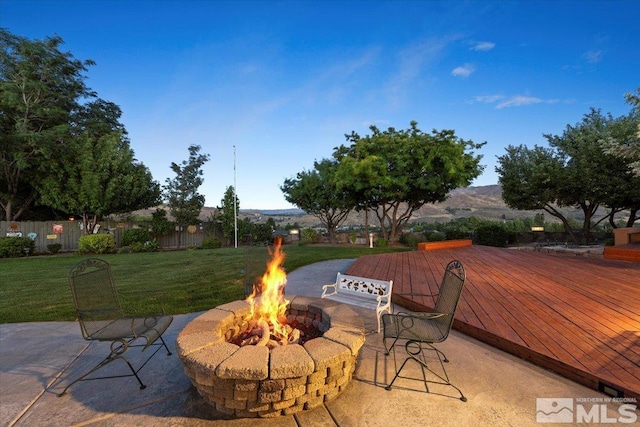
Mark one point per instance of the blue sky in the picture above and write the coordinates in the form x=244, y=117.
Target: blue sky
x=284, y=81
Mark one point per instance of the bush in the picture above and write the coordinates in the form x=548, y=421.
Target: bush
x=381, y=242
x=436, y=236
x=211, y=242
x=493, y=235
x=13, y=247
x=135, y=235
x=148, y=246
x=412, y=239
x=96, y=244
x=456, y=233
x=308, y=235
x=54, y=248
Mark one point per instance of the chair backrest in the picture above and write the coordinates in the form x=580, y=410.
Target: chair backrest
x=449, y=295
x=94, y=295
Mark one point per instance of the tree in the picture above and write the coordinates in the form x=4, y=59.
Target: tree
x=396, y=172
x=40, y=88
x=160, y=224
x=316, y=193
x=181, y=192
x=575, y=171
x=628, y=148
x=356, y=176
x=104, y=179
x=227, y=214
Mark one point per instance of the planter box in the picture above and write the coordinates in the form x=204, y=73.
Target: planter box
x=446, y=244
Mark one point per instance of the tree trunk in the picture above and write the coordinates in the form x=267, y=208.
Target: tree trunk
x=633, y=217
x=366, y=221
x=550, y=209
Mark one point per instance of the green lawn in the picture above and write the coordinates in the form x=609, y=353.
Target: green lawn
x=36, y=288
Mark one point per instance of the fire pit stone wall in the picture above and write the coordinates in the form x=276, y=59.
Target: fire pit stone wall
x=253, y=381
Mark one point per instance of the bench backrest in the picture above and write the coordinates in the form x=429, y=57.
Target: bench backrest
x=364, y=286
x=449, y=295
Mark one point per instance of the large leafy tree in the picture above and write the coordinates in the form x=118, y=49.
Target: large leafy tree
x=104, y=179
x=317, y=193
x=628, y=147
x=93, y=172
x=181, y=192
x=574, y=171
x=40, y=89
x=396, y=172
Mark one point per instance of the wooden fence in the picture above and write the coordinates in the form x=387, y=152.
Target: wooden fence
x=67, y=233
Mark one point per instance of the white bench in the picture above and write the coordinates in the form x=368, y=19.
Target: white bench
x=361, y=291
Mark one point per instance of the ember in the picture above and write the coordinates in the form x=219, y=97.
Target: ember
x=298, y=333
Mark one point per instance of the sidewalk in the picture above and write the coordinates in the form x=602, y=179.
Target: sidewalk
x=38, y=359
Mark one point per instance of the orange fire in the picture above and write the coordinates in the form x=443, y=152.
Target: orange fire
x=271, y=306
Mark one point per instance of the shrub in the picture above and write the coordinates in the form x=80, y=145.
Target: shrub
x=412, y=239
x=211, y=242
x=381, y=242
x=436, y=236
x=261, y=233
x=13, y=247
x=148, y=246
x=493, y=235
x=54, y=248
x=308, y=235
x=96, y=243
x=135, y=235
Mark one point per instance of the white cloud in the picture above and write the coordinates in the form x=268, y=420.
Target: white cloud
x=502, y=101
x=488, y=99
x=483, y=46
x=518, y=101
x=464, y=71
x=592, y=56
x=411, y=63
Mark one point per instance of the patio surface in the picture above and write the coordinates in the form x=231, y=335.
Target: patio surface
x=578, y=316
x=38, y=359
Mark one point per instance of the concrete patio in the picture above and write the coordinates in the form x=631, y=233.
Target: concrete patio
x=38, y=359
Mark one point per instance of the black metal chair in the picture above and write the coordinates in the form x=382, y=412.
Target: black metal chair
x=417, y=332
x=102, y=318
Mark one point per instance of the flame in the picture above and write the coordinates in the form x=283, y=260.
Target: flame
x=272, y=306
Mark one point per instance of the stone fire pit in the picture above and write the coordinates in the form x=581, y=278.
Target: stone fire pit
x=253, y=381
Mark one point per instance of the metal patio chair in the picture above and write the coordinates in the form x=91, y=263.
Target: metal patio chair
x=417, y=332
x=102, y=318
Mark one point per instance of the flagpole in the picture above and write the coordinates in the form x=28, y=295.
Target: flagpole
x=235, y=200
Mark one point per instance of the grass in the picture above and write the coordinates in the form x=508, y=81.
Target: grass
x=36, y=288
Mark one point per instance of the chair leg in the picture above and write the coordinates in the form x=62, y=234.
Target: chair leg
x=110, y=358
x=118, y=348
x=416, y=354
x=165, y=346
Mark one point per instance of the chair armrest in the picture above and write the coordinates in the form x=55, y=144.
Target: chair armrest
x=413, y=294
x=420, y=315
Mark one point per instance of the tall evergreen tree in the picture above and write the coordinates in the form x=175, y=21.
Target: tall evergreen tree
x=181, y=192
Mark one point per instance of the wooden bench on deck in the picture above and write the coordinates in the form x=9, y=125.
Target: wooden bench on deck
x=361, y=291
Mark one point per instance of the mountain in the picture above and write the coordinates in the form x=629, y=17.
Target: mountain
x=482, y=202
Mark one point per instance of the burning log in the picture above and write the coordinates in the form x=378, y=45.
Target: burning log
x=266, y=332
x=260, y=333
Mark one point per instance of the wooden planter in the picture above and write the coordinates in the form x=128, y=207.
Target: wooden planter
x=446, y=244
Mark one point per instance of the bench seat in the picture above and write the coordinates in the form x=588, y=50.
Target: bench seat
x=362, y=292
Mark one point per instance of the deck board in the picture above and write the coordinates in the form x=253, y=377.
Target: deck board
x=574, y=315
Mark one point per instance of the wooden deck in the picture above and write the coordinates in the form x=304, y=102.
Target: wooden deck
x=576, y=316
